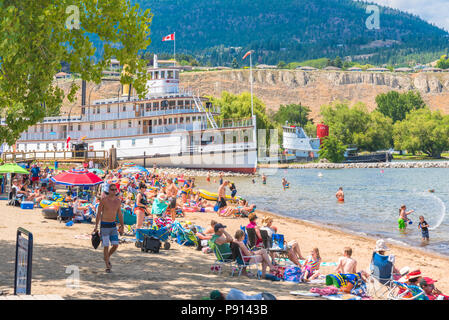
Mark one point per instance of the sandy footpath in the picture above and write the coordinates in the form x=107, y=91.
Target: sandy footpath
x=177, y=273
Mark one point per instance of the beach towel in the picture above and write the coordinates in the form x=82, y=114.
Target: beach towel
x=158, y=207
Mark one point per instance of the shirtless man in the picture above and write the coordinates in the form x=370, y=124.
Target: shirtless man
x=346, y=264
x=340, y=195
x=108, y=209
x=172, y=192
x=222, y=195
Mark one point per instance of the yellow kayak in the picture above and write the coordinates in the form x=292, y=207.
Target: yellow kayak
x=214, y=196
x=49, y=203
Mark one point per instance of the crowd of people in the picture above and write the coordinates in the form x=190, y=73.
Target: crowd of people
x=149, y=194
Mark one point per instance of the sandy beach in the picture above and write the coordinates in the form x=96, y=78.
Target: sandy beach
x=178, y=273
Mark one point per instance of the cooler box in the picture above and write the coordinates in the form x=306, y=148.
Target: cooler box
x=27, y=205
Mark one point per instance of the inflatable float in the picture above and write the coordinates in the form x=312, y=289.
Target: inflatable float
x=49, y=203
x=214, y=196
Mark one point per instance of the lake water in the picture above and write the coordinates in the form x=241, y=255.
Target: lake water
x=372, y=200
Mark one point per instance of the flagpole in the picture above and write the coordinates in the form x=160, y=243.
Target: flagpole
x=174, y=49
x=251, y=75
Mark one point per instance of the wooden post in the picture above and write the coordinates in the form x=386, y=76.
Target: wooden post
x=144, y=159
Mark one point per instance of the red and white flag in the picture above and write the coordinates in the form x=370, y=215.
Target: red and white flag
x=170, y=37
x=247, y=54
x=68, y=140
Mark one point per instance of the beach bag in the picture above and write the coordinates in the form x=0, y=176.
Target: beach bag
x=292, y=274
x=279, y=272
x=95, y=239
x=151, y=244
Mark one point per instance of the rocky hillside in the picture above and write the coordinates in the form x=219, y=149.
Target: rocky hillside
x=313, y=89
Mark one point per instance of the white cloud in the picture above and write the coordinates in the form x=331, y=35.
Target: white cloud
x=433, y=11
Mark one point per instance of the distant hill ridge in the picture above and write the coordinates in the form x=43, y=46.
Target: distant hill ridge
x=216, y=31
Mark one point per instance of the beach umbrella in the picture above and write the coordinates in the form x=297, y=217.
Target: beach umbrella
x=97, y=171
x=128, y=164
x=12, y=168
x=135, y=169
x=77, y=178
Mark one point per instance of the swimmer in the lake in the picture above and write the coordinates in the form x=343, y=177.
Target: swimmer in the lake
x=340, y=195
x=403, y=219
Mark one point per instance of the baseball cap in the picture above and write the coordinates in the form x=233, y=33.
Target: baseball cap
x=216, y=295
x=425, y=281
x=218, y=226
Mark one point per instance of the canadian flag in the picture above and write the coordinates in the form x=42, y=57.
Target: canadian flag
x=68, y=140
x=170, y=37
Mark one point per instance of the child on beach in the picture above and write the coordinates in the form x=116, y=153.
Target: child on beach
x=424, y=226
x=403, y=219
x=347, y=264
x=311, y=266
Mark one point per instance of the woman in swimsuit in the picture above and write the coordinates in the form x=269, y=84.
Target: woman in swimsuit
x=141, y=209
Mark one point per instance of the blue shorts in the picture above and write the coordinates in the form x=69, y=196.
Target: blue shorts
x=425, y=234
x=109, y=234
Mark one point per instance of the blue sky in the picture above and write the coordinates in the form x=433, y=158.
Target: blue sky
x=433, y=11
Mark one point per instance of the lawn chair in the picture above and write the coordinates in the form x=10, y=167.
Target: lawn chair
x=403, y=291
x=13, y=200
x=281, y=252
x=220, y=261
x=252, y=239
x=241, y=263
x=380, y=281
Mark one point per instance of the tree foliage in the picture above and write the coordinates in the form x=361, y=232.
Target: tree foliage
x=37, y=36
x=295, y=114
x=332, y=149
x=423, y=130
x=397, y=105
x=443, y=63
x=355, y=125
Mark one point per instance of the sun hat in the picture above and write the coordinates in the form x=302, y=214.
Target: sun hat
x=416, y=273
x=162, y=196
x=404, y=272
x=426, y=281
x=381, y=246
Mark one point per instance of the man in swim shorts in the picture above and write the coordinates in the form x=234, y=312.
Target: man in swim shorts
x=340, y=195
x=172, y=192
x=222, y=195
x=108, y=209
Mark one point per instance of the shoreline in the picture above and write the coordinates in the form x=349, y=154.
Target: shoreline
x=381, y=165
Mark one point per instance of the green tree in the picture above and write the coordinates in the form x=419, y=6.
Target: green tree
x=443, y=63
x=37, y=36
x=423, y=130
x=369, y=131
x=338, y=62
x=332, y=149
x=396, y=105
x=282, y=65
x=295, y=114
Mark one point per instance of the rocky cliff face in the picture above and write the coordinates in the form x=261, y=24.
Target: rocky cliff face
x=313, y=89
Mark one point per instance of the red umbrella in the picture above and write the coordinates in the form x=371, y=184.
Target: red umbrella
x=77, y=178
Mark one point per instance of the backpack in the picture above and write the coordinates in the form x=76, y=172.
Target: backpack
x=151, y=244
x=292, y=274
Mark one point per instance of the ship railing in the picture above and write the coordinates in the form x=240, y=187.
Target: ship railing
x=236, y=123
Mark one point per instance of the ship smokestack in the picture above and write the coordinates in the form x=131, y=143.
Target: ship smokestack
x=83, y=92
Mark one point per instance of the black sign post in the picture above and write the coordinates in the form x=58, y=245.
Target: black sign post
x=24, y=259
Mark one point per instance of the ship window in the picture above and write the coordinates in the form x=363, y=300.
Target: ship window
x=176, y=74
x=180, y=102
x=103, y=125
x=170, y=74
x=118, y=143
x=129, y=124
x=91, y=127
x=70, y=128
x=38, y=146
x=164, y=104
x=115, y=124
x=98, y=110
x=148, y=107
x=156, y=75
x=160, y=121
x=172, y=103
x=187, y=103
x=187, y=119
x=165, y=121
x=133, y=141
x=102, y=144
x=170, y=120
x=176, y=120
x=79, y=127
x=181, y=120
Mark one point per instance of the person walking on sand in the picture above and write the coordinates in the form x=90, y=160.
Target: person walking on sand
x=108, y=209
x=172, y=192
x=340, y=195
x=403, y=219
x=264, y=179
x=222, y=196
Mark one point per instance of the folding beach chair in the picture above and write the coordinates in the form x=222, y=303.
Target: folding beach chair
x=252, y=239
x=380, y=281
x=220, y=261
x=241, y=263
x=403, y=291
x=280, y=251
